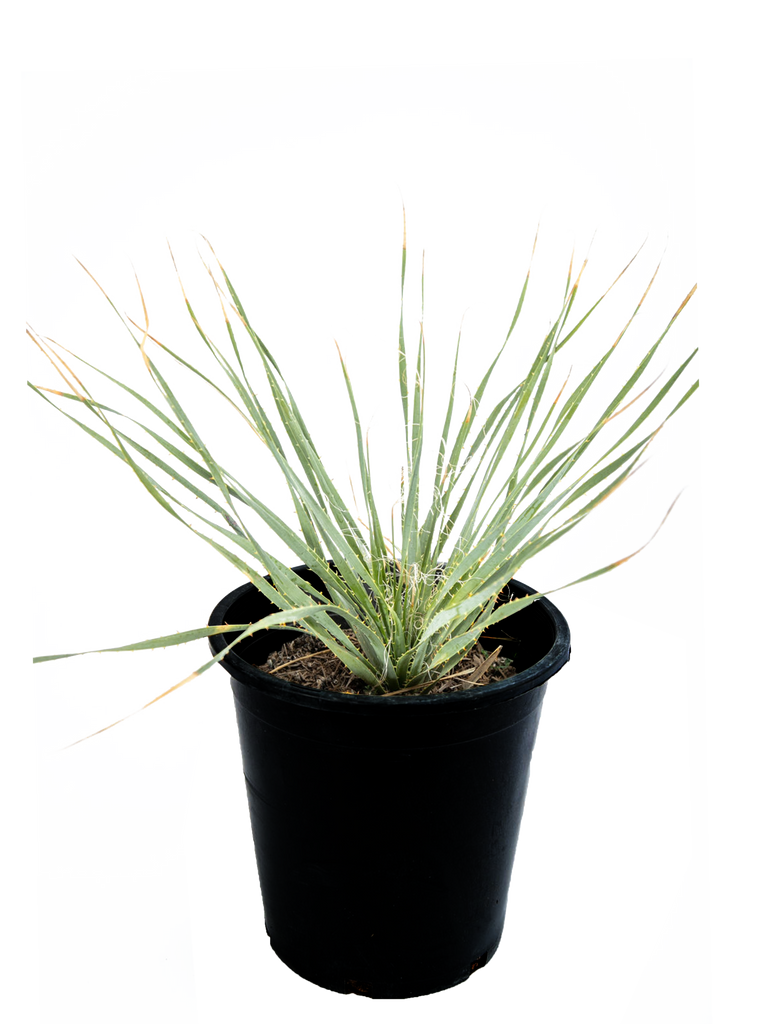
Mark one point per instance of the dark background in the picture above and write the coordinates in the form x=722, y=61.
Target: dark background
x=312, y=235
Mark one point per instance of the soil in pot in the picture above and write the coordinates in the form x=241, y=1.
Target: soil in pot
x=309, y=663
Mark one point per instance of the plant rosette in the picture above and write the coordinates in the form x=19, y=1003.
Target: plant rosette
x=481, y=523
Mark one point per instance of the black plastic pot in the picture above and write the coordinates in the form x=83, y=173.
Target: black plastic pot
x=385, y=827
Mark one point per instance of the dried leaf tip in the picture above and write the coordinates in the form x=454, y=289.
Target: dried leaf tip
x=403, y=212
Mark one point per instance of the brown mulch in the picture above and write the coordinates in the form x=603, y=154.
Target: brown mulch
x=309, y=663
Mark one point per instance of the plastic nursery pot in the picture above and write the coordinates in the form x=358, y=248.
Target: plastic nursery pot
x=385, y=827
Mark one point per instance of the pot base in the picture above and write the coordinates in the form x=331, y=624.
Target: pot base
x=357, y=989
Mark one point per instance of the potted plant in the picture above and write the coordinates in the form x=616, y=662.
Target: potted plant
x=420, y=654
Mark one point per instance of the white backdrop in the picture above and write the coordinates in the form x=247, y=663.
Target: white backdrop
x=99, y=145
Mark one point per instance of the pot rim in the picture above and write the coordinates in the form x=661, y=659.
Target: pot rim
x=500, y=690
